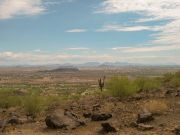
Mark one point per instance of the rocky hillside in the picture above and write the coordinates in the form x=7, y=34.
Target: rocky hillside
x=142, y=114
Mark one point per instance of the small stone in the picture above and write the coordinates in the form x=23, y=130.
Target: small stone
x=14, y=120
x=96, y=107
x=3, y=124
x=107, y=127
x=87, y=115
x=144, y=127
x=100, y=117
x=144, y=117
x=177, y=130
x=133, y=124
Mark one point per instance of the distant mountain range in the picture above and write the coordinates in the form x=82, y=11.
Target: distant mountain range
x=115, y=64
x=98, y=65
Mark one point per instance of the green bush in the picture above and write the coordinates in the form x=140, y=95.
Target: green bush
x=9, y=101
x=172, y=80
x=168, y=77
x=146, y=84
x=121, y=86
x=175, y=82
x=7, y=98
x=177, y=74
x=33, y=105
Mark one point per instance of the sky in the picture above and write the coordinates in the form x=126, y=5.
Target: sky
x=39, y=32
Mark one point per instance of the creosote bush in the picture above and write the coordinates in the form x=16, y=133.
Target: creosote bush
x=121, y=86
x=33, y=105
x=146, y=84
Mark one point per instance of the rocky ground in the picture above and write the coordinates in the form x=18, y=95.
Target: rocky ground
x=152, y=113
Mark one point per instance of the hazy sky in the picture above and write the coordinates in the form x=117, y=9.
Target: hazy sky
x=76, y=31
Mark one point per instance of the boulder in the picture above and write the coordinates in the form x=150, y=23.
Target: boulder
x=61, y=119
x=100, y=117
x=107, y=127
x=54, y=122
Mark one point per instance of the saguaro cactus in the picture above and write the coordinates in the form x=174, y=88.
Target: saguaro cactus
x=101, y=82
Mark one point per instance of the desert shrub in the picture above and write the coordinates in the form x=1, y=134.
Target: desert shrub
x=168, y=77
x=121, y=86
x=156, y=106
x=172, y=80
x=177, y=74
x=147, y=84
x=6, y=92
x=175, y=82
x=33, y=105
x=9, y=101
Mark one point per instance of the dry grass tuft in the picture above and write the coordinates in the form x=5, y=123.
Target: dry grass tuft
x=156, y=106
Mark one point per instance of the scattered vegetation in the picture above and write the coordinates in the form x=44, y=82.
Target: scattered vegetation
x=119, y=86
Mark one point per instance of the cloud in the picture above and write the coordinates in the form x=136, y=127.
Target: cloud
x=37, y=50
x=12, y=8
x=117, y=27
x=78, y=48
x=76, y=30
x=147, y=49
x=49, y=58
x=149, y=10
x=10, y=58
